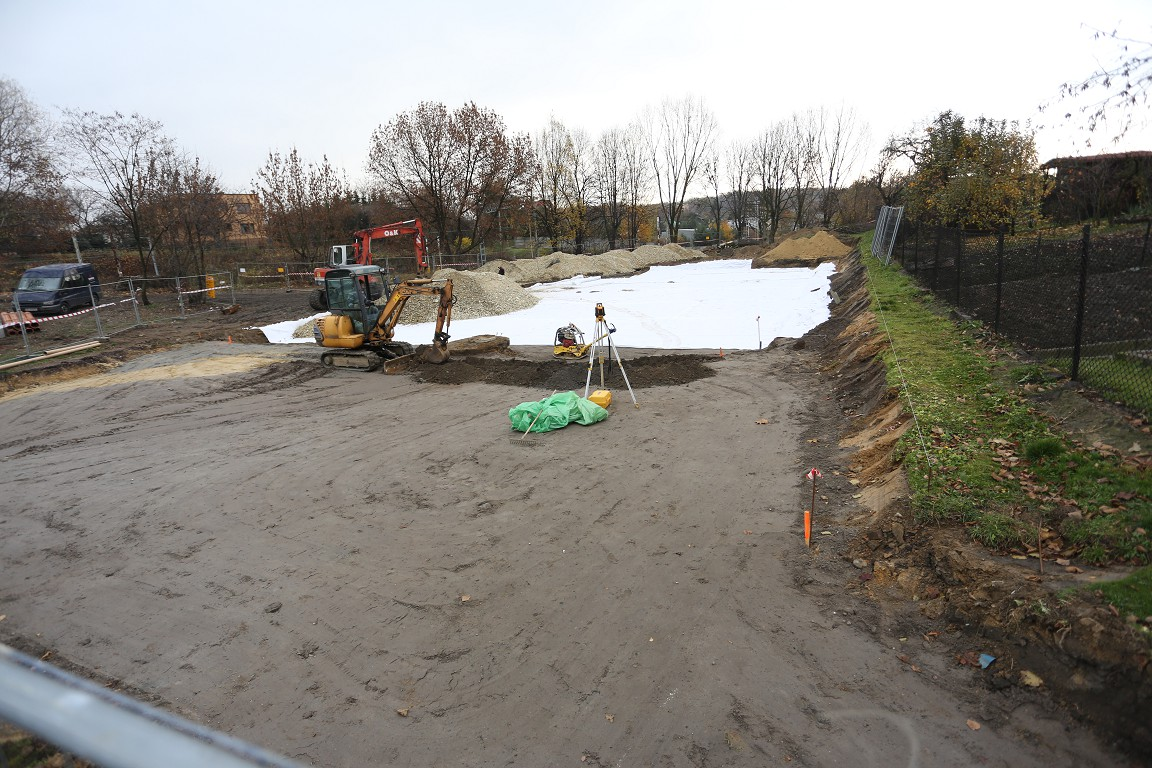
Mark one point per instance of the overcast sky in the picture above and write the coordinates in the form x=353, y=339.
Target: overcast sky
x=232, y=81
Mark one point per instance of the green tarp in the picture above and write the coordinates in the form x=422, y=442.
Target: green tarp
x=554, y=412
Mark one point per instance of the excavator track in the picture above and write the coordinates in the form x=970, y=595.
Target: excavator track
x=393, y=357
x=360, y=361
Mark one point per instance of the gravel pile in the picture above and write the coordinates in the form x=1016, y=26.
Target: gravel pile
x=478, y=294
x=561, y=266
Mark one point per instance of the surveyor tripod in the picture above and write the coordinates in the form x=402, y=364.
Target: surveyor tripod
x=601, y=338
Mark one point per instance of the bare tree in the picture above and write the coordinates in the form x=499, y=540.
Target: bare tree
x=458, y=171
x=31, y=201
x=307, y=204
x=190, y=214
x=552, y=151
x=840, y=141
x=711, y=172
x=803, y=155
x=680, y=135
x=887, y=177
x=636, y=178
x=579, y=184
x=122, y=160
x=741, y=173
x=772, y=163
x=610, y=182
x=1118, y=91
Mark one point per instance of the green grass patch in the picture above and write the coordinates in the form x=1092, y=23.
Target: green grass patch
x=1132, y=594
x=982, y=458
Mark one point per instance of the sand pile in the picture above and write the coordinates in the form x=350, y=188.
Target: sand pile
x=561, y=266
x=803, y=250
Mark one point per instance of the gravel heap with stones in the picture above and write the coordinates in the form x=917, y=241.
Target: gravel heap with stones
x=561, y=266
x=478, y=294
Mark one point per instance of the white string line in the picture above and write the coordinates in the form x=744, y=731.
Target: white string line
x=900, y=371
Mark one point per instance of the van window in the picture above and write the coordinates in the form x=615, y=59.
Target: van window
x=38, y=283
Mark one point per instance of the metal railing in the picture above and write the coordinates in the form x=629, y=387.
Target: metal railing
x=110, y=729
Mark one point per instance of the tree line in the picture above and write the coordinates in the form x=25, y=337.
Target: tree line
x=121, y=180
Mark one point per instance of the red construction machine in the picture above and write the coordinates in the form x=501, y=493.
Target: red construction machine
x=360, y=252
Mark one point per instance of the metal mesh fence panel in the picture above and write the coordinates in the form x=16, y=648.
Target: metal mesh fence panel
x=1078, y=300
x=887, y=225
x=120, y=305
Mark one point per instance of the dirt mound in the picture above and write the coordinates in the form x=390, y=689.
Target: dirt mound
x=803, y=249
x=652, y=371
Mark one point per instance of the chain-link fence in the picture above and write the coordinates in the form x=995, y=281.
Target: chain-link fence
x=286, y=276
x=114, y=307
x=1079, y=300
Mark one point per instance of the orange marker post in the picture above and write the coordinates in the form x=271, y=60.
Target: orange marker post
x=812, y=475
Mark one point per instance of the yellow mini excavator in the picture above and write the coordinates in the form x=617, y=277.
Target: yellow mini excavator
x=364, y=312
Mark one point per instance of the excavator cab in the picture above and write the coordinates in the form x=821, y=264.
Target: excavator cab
x=352, y=293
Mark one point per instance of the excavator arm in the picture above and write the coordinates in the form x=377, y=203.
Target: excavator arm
x=363, y=241
x=385, y=325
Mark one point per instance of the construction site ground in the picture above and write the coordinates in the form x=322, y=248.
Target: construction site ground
x=357, y=569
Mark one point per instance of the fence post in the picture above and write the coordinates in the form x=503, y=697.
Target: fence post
x=232, y=288
x=287, y=279
x=180, y=297
x=916, y=254
x=135, y=304
x=999, y=278
x=1144, y=247
x=1077, y=338
x=20, y=318
x=958, y=259
x=96, y=313
x=936, y=258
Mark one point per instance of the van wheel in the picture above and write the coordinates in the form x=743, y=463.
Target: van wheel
x=64, y=307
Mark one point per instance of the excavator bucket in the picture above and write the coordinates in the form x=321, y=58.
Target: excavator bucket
x=436, y=354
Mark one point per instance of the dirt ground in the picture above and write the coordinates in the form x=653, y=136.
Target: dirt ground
x=358, y=569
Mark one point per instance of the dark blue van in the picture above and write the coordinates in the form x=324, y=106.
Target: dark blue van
x=56, y=289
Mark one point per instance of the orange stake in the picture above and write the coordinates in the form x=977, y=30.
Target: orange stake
x=812, y=475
